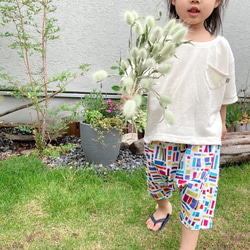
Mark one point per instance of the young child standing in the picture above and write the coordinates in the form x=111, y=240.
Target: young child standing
x=185, y=156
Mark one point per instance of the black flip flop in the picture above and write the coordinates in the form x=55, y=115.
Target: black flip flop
x=164, y=221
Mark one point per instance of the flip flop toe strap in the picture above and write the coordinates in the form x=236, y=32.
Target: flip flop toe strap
x=163, y=220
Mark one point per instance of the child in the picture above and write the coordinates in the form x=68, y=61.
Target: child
x=184, y=157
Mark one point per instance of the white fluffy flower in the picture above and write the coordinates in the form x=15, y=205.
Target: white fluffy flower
x=138, y=100
x=135, y=15
x=147, y=83
x=168, y=27
x=177, y=27
x=123, y=65
x=164, y=68
x=129, y=18
x=150, y=62
x=100, y=75
x=168, y=49
x=179, y=35
x=165, y=99
x=169, y=116
x=143, y=53
x=150, y=21
x=128, y=82
x=134, y=52
x=156, y=49
x=138, y=28
x=156, y=34
x=129, y=109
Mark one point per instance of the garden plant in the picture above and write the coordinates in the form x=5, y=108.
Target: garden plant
x=150, y=46
x=102, y=113
x=239, y=112
x=32, y=28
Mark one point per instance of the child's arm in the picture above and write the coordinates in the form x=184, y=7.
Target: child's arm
x=223, y=114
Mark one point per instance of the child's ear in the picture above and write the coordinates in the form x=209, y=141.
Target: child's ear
x=173, y=2
x=217, y=3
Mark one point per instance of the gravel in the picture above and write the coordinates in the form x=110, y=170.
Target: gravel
x=126, y=160
x=75, y=159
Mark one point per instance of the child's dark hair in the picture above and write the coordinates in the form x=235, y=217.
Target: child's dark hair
x=212, y=24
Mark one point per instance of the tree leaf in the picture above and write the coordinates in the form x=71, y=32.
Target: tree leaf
x=116, y=88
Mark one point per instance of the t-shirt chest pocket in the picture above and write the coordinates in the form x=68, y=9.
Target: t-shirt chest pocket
x=215, y=77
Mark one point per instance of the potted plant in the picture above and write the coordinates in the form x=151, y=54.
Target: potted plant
x=238, y=114
x=101, y=128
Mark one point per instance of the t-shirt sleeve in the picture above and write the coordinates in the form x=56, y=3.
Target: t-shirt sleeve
x=230, y=95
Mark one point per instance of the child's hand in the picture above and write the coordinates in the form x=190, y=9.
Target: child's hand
x=224, y=132
x=223, y=114
x=123, y=99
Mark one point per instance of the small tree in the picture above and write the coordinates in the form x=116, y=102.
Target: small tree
x=35, y=26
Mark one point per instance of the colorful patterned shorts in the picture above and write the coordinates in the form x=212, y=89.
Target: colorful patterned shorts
x=191, y=170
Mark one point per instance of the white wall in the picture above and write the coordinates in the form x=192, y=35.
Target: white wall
x=237, y=31
x=94, y=32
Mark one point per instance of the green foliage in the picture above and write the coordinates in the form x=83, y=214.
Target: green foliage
x=90, y=116
x=34, y=26
x=93, y=101
x=102, y=113
x=53, y=151
x=234, y=114
x=140, y=120
x=239, y=112
x=28, y=129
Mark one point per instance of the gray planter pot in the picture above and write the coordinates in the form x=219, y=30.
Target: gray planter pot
x=94, y=150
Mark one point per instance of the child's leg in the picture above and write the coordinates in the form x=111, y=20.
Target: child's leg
x=189, y=238
x=200, y=171
x=160, y=164
x=199, y=174
x=163, y=209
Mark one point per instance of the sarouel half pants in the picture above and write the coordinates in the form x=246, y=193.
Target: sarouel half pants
x=190, y=169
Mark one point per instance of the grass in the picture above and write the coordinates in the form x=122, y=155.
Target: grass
x=75, y=209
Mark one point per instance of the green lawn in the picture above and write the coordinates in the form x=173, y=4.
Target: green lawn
x=74, y=209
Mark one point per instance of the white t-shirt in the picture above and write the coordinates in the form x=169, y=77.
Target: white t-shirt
x=201, y=80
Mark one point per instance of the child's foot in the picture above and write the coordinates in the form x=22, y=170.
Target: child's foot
x=160, y=217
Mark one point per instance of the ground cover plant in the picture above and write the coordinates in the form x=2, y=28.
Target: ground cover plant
x=239, y=112
x=75, y=209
